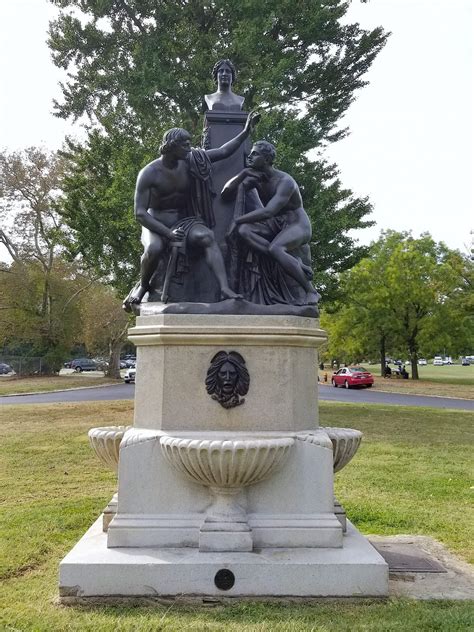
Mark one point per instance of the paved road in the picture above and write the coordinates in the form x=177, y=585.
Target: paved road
x=369, y=396
x=101, y=393
x=326, y=393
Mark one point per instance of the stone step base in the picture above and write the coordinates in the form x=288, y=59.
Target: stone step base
x=90, y=569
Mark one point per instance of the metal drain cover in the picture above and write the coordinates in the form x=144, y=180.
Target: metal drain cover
x=407, y=558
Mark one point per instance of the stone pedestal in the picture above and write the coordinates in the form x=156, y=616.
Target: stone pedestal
x=245, y=490
x=93, y=570
x=173, y=356
x=109, y=512
x=340, y=514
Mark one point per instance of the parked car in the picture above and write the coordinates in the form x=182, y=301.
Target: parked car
x=129, y=376
x=130, y=363
x=352, y=376
x=437, y=361
x=465, y=362
x=422, y=361
x=84, y=364
x=5, y=368
x=101, y=363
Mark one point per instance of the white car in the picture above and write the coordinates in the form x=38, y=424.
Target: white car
x=437, y=361
x=129, y=376
x=422, y=362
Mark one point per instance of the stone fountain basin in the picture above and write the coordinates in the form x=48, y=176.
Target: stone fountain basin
x=105, y=441
x=226, y=462
x=345, y=443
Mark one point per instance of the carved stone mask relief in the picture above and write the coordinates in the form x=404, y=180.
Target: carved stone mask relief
x=227, y=379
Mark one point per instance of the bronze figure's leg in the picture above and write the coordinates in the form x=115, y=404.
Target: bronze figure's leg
x=154, y=247
x=255, y=237
x=200, y=236
x=289, y=239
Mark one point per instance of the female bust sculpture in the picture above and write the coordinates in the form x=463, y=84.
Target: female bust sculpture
x=224, y=99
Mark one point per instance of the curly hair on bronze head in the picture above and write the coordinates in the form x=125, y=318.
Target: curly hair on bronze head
x=220, y=63
x=172, y=137
x=214, y=385
x=268, y=150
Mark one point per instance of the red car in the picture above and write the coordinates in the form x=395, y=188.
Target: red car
x=352, y=376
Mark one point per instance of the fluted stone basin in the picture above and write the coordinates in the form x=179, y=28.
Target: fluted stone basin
x=105, y=442
x=345, y=443
x=226, y=463
x=226, y=466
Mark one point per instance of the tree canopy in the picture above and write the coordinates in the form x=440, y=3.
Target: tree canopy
x=409, y=296
x=40, y=290
x=33, y=294
x=138, y=67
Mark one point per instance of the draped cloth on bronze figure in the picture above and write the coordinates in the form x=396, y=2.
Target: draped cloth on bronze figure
x=201, y=186
x=256, y=276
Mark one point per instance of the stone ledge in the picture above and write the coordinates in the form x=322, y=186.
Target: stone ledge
x=193, y=329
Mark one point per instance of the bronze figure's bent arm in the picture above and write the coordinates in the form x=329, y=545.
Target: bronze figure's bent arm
x=142, y=199
x=251, y=176
x=228, y=148
x=277, y=203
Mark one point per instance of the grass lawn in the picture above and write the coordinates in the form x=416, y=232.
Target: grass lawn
x=16, y=385
x=452, y=374
x=411, y=475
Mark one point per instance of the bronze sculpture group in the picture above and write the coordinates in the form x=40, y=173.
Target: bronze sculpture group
x=264, y=262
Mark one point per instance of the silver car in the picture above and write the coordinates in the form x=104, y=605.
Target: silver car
x=129, y=376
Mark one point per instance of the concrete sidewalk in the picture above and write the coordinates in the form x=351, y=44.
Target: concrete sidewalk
x=457, y=582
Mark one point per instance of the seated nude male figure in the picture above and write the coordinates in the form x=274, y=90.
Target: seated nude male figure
x=281, y=224
x=163, y=206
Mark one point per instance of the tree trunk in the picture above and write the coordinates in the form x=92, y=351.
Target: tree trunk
x=413, y=348
x=113, y=370
x=382, y=354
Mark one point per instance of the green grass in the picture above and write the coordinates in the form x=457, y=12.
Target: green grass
x=12, y=385
x=450, y=374
x=411, y=475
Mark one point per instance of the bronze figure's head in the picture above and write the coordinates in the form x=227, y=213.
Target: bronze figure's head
x=228, y=379
x=262, y=153
x=176, y=139
x=224, y=72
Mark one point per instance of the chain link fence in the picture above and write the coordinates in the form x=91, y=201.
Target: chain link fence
x=22, y=365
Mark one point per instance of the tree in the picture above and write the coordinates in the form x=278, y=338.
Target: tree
x=452, y=328
x=104, y=325
x=29, y=188
x=406, y=291
x=39, y=285
x=137, y=67
x=25, y=328
x=359, y=321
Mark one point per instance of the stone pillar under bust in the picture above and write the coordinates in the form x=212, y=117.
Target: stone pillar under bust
x=220, y=127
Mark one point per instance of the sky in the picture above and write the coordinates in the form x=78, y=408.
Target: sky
x=411, y=143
